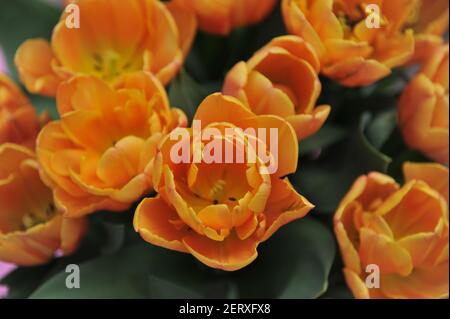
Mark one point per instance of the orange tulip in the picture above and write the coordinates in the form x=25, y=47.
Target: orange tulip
x=31, y=229
x=100, y=154
x=424, y=108
x=221, y=16
x=114, y=37
x=18, y=120
x=352, y=52
x=431, y=25
x=402, y=231
x=219, y=211
x=281, y=79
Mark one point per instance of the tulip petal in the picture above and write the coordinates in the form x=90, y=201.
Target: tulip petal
x=424, y=248
x=74, y=207
x=435, y=175
x=31, y=247
x=284, y=146
x=152, y=220
x=356, y=285
x=415, y=208
x=306, y=125
x=220, y=108
x=357, y=71
x=298, y=47
x=422, y=283
x=297, y=23
x=382, y=251
x=341, y=49
x=34, y=60
x=348, y=250
x=186, y=23
x=283, y=206
x=231, y=254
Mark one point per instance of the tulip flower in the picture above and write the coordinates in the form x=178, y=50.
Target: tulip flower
x=114, y=37
x=424, y=108
x=220, y=209
x=18, y=120
x=281, y=79
x=358, y=42
x=100, y=154
x=31, y=227
x=221, y=16
x=394, y=239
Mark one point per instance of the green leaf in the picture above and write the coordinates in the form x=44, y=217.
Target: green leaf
x=294, y=263
x=137, y=271
x=143, y=270
x=187, y=94
x=372, y=157
x=323, y=184
x=21, y=20
x=382, y=126
x=44, y=104
x=325, y=181
x=112, y=276
x=327, y=136
x=163, y=289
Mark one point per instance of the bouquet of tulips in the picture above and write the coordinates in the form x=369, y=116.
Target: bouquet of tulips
x=224, y=149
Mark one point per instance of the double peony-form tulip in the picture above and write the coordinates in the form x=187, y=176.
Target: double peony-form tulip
x=100, y=154
x=115, y=37
x=430, y=26
x=31, y=228
x=220, y=211
x=403, y=230
x=18, y=120
x=354, y=51
x=424, y=107
x=221, y=16
x=281, y=79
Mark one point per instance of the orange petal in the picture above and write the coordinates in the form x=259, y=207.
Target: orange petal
x=152, y=220
x=231, y=254
x=72, y=231
x=349, y=253
x=84, y=93
x=217, y=217
x=264, y=98
x=356, y=71
x=220, y=108
x=306, y=125
x=298, y=47
x=235, y=81
x=413, y=209
x=286, y=143
x=356, y=285
x=186, y=23
x=74, y=207
x=425, y=248
x=340, y=49
x=435, y=175
x=286, y=70
x=298, y=24
x=393, y=51
x=35, y=246
x=283, y=206
x=87, y=129
x=34, y=59
x=422, y=283
x=384, y=252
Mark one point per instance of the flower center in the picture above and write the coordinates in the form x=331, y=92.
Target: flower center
x=110, y=65
x=33, y=219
